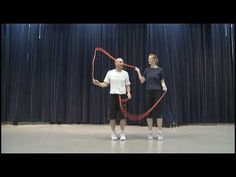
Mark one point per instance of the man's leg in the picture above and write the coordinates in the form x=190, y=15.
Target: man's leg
x=113, y=127
x=122, y=127
x=113, y=124
x=112, y=116
x=122, y=120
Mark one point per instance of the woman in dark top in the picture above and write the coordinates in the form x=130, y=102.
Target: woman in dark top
x=154, y=77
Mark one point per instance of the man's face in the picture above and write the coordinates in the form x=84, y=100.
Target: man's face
x=119, y=63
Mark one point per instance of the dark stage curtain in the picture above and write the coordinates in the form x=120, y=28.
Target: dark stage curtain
x=46, y=70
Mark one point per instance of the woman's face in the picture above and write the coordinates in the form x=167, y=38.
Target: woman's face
x=151, y=60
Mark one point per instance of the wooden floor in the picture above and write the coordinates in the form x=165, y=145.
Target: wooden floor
x=79, y=138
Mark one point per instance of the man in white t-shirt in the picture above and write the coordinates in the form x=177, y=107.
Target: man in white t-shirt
x=119, y=85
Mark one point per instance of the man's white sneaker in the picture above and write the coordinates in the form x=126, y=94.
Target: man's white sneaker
x=113, y=136
x=160, y=136
x=122, y=137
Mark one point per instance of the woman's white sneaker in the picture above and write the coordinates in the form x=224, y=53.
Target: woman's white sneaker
x=150, y=136
x=122, y=137
x=160, y=136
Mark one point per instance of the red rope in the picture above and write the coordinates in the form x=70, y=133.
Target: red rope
x=125, y=112
x=109, y=56
x=140, y=116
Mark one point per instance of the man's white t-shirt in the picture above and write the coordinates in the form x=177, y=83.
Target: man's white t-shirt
x=118, y=81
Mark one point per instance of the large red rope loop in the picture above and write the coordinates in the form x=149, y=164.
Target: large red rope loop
x=122, y=101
